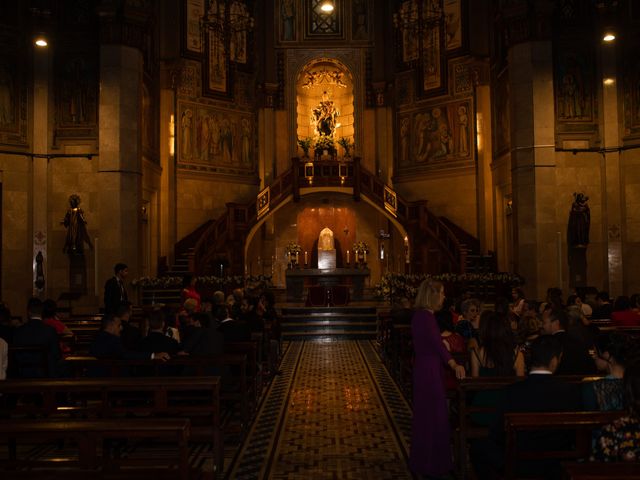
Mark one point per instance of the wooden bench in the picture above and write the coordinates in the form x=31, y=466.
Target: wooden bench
x=89, y=435
x=28, y=357
x=582, y=423
x=601, y=471
x=466, y=428
x=197, y=398
x=233, y=388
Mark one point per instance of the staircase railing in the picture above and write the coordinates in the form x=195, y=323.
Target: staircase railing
x=224, y=239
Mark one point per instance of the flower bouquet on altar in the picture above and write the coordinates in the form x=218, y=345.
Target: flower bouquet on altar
x=360, y=250
x=293, y=254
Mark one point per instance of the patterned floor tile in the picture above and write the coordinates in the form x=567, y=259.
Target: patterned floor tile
x=338, y=422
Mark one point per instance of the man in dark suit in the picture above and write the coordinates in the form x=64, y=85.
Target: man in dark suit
x=539, y=392
x=576, y=359
x=108, y=343
x=33, y=333
x=115, y=293
x=129, y=334
x=233, y=330
x=157, y=340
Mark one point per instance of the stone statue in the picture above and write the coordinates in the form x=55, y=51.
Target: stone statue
x=324, y=117
x=326, y=240
x=579, y=222
x=76, y=228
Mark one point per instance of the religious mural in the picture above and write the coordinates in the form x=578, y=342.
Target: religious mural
x=76, y=96
x=453, y=24
x=435, y=136
x=216, y=72
x=288, y=10
x=360, y=20
x=574, y=87
x=192, y=37
x=501, y=117
x=13, y=96
x=220, y=139
x=632, y=99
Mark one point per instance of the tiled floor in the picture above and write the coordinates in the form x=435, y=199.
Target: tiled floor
x=334, y=413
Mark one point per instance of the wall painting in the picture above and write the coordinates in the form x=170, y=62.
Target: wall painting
x=13, y=99
x=215, y=140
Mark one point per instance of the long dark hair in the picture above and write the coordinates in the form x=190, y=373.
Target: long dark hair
x=498, y=343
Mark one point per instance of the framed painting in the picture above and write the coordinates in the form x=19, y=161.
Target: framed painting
x=433, y=72
x=192, y=38
x=215, y=70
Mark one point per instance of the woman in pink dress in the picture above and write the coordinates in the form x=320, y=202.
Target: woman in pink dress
x=431, y=433
x=189, y=291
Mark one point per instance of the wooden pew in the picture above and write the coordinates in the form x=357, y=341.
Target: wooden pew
x=90, y=435
x=601, y=471
x=466, y=428
x=197, y=398
x=233, y=389
x=254, y=377
x=583, y=423
x=29, y=357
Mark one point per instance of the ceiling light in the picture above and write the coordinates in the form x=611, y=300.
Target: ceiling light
x=609, y=37
x=327, y=7
x=40, y=41
x=608, y=81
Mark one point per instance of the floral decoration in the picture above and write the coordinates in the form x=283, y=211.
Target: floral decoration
x=324, y=142
x=406, y=285
x=305, y=145
x=361, y=247
x=204, y=281
x=293, y=248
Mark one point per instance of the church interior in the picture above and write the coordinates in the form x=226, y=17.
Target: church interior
x=316, y=170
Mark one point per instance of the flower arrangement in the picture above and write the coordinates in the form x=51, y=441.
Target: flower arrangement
x=305, y=145
x=293, y=248
x=204, y=281
x=345, y=143
x=361, y=247
x=324, y=142
x=406, y=285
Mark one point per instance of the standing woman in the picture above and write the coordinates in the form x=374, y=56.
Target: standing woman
x=430, y=438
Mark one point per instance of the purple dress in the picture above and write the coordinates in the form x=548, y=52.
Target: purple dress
x=431, y=433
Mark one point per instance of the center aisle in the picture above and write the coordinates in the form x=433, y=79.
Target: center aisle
x=344, y=418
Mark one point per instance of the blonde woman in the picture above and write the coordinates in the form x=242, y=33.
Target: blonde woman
x=430, y=439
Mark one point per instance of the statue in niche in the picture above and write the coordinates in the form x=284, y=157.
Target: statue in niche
x=325, y=241
x=579, y=222
x=324, y=117
x=75, y=223
x=288, y=14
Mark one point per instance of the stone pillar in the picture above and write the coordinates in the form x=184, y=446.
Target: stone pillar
x=484, y=174
x=533, y=166
x=612, y=214
x=168, y=145
x=39, y=182
x=119, y=172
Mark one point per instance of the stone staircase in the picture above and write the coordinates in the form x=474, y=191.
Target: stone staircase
x=352, y=322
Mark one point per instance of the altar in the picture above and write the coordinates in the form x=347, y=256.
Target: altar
x=351, y=279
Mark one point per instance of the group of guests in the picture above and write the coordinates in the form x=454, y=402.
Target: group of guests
x=533, y=340
x=199, y=328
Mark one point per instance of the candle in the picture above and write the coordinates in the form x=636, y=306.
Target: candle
x=348, y=259
x=305, y=257
x=297, y=257
x=365, y=256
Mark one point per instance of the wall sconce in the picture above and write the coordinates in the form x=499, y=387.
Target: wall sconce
x=308, y=172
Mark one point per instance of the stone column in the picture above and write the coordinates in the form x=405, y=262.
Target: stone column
x=483, y=151
x=267, y=165
x=119, y=172
x=533, y=166
x=39, y=182
x=612, y=214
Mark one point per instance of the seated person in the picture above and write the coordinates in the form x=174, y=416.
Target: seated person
x=203, y=338
x=249, y=316
x=623, y=315
x=620, y=441
x=469, y=320
x=157, y=339
x=129, y=334
x=6, y=324
x=603, y=307
x=539, y=392
x=576, y=359
x=50, y=317
x=33, y=332
x=232, y=330
x=108, y=343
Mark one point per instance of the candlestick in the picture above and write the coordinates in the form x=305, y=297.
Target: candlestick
x=365, y=256
x=297, y=257
x=348, y=259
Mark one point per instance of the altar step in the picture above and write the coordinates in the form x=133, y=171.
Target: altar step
x=342, y=322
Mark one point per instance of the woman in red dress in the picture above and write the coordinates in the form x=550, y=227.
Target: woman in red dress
x=189, y=291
